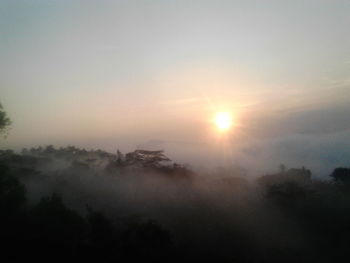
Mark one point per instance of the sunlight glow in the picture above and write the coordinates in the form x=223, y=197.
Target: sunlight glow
x=223, y=121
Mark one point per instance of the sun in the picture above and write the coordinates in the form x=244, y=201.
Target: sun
x=223, y=121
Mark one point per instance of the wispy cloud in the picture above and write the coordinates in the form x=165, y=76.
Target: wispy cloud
x=182, y=101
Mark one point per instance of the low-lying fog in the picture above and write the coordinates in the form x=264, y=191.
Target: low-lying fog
x=210, y=211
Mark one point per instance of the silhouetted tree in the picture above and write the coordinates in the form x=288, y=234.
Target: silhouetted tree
x=4, y=120
x=341, y=175
x=57, y=229
x=12, y=192
x=101, y=230
x=12, y=211
x=146, y=239
x=146, y=158
x=120, y=157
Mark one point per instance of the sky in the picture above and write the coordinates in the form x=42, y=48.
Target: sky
x=153, y=73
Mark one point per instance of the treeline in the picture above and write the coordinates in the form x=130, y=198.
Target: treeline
x=152, y=161
x=287, y=216
x=52, y=232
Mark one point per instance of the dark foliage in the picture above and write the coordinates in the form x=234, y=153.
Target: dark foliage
x=341, y=175
x=302, y=219
x=4, y=120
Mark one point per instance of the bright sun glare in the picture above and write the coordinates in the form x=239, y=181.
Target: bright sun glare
x=223, y=121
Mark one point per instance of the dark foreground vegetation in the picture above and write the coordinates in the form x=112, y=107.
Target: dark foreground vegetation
x=73, y=204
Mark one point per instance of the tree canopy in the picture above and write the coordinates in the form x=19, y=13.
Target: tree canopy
x=4, y=120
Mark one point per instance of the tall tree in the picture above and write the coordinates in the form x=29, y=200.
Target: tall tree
x=4, y=120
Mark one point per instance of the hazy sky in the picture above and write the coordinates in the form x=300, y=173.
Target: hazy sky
x=140, y=73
